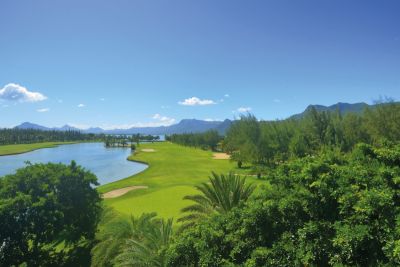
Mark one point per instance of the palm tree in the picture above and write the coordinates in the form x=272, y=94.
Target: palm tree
x=142, y=241
x=219, y=195
x=149, y=248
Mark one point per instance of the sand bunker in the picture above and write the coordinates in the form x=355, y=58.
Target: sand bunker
x=148, y=150
x=122, y=191
x=221, y=156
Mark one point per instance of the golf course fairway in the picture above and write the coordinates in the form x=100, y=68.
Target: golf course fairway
x=173, y=171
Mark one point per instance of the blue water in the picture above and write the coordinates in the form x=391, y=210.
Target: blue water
x=109, y=164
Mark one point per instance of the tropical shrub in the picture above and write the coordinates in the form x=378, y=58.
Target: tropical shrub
x=333, y=209
x=48, y=215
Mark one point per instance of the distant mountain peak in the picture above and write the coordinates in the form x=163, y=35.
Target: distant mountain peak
x=29, y=125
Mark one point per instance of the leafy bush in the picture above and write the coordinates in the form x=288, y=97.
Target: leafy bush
x=328, y=210
x=48, y=215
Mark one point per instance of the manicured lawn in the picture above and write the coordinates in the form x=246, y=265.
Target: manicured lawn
x=172, y=173
x=23, y=148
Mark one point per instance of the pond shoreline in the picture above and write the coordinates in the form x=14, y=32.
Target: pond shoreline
x=109, y=165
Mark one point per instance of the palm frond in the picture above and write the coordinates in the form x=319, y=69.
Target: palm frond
x=220, y=194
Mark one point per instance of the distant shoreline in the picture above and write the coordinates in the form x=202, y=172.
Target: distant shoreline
x=11, y=150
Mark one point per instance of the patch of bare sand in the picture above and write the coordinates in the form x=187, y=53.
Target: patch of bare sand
x=221, y=156
x=148, y=150
x=122, y=191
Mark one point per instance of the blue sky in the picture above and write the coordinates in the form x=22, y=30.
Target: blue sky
x=124, y=63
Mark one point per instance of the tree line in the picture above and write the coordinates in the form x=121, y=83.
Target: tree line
x=261, y=143
x=208, y=140
x=268, y=143
x=29, y=136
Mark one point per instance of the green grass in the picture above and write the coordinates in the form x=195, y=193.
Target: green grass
x=23, y=148
x=173, y=171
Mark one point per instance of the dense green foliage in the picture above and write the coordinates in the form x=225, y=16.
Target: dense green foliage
x=332, y=209
x=221, y=194
x=48, y=216
x=29, y=136
x=263, y=143
x=207, y=140
x=140, y=242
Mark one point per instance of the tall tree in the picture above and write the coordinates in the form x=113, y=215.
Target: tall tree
x=48, y=214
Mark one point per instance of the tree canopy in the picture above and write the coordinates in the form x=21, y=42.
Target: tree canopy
x=329, y=210
x=48, y=215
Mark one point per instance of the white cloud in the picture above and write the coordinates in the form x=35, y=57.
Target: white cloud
x=163, y=119
x=195, y=101
x=81, y=105
x=43, y=110
x=226, y=95
x=16, y=92
x=244, y=109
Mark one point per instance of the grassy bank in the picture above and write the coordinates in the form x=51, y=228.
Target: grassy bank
x=23, y=148
x=173, y=171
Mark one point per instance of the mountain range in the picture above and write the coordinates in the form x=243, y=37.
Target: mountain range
x=193, y=125
x=184, y=126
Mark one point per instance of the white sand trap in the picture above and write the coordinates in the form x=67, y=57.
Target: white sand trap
x=148, y=150
x=221, y=156
x=122, y=191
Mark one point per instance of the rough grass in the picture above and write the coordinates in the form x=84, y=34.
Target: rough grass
x=23, y=148
x=173, y=171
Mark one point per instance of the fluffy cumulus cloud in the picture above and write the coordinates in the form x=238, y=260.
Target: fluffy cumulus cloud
x=195, y=101
x=41, y=110
x=244, y=109
x=16, y=92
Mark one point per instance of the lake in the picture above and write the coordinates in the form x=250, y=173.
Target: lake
x=109, y=164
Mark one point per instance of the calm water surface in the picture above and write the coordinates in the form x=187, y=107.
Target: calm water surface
x=109, y=164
